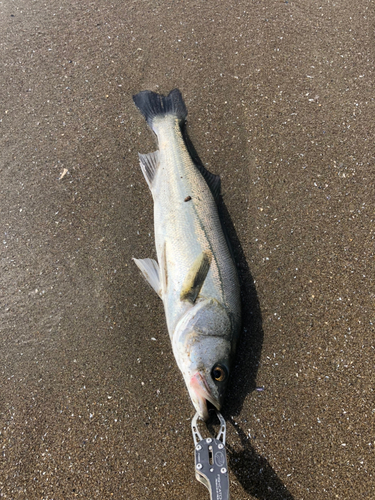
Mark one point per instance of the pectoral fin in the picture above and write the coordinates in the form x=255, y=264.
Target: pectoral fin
x=195, y=277
x=150, y=270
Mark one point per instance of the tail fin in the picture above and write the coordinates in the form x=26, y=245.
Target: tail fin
x=151, y=105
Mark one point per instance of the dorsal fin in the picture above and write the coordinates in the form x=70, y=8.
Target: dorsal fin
x=213, y=181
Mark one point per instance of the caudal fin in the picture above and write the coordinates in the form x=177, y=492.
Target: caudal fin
x=151, y=105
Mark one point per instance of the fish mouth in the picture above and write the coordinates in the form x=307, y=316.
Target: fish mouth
x=201, y=395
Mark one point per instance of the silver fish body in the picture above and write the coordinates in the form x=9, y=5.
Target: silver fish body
x=195, y=276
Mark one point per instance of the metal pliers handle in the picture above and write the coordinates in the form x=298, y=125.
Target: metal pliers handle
x=211, y=468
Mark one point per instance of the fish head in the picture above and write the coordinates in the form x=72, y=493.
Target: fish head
x=203, y=347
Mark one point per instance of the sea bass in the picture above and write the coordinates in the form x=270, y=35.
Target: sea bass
x=195, y=275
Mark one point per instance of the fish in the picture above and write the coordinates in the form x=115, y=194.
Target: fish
x=195, y=274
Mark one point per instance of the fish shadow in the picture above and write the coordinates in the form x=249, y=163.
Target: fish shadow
x=249, y=346
x=253, y=471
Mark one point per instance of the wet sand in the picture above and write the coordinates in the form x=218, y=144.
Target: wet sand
x=281, y=105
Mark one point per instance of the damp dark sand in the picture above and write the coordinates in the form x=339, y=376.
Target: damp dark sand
x=281, y=105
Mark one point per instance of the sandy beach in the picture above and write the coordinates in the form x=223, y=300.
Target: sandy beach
x=280, y=96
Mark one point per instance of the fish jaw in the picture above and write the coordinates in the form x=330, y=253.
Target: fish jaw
x=200, y=394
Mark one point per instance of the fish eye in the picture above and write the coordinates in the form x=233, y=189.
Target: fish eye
x=219, y=373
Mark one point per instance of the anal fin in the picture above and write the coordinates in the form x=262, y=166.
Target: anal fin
x=150, y=270
x=149, y=165
x=195, y=278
